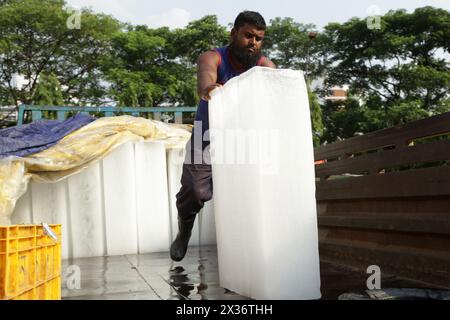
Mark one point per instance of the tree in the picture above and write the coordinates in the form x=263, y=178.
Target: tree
x=316, y=117
x=48, y=91
x=290, y=45
x=294, y=45
x=199, y=36
x=35, y=39
x=398, y=71
x=150, y=67
x=134, y=69
x=395, y=74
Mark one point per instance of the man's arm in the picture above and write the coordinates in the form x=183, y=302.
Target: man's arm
x=207, y=74
x=265, y=62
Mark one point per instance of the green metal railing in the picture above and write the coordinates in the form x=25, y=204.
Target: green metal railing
x=62, y=111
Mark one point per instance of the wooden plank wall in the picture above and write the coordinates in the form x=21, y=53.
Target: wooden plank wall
x=384, y=199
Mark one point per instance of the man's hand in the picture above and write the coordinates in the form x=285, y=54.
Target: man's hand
x=267, y=63
x=207, y=91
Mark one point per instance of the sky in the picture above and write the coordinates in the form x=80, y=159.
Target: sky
x=178, y=13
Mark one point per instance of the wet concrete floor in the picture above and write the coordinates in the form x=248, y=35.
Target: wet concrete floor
x=155, y=276
x=152, y=276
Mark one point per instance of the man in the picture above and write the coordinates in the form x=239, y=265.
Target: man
x=214, y=68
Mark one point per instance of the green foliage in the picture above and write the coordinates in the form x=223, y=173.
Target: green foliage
x=199, y=36
x=342, y=120
x=48, y=91
x=347, y=119
x=289, y=45
x=131, y=89
x=131, y=67
x=396, y=74
x=149, y=67
x=316, y=117
x=35, y=39
x=399, y=72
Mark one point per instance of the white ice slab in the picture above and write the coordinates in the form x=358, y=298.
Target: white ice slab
x=152, y=196
x=264, y=186
x=23, y=210
x=206, y=225
x=49, y=205
x=87, y=225
x=120, y=201
x=174, y=171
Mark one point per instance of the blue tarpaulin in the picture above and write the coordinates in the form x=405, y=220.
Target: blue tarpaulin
x=37, y=136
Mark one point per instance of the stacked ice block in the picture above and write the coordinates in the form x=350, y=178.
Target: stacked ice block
x=122, y=204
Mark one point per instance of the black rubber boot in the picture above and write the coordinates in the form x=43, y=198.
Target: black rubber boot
x=179, y=245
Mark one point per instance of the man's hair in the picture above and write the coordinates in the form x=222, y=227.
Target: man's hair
x=250, y=17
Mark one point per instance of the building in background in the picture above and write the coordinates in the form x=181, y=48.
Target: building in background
x=337, y=93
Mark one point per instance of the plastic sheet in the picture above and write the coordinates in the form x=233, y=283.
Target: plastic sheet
x=264, y=186
x=39, y=135
x=13, y=183
x=79, y=150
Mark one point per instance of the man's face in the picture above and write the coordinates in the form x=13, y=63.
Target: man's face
x=246, y=43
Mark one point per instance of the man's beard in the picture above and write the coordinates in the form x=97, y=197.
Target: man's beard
x=246, y=58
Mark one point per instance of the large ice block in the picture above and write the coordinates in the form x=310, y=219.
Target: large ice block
x=153, y=219
x=84, y=212
x=120, y=201
x=264, y=186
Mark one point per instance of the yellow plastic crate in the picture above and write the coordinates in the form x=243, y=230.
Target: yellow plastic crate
x=50, y=290
x=30, y=263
